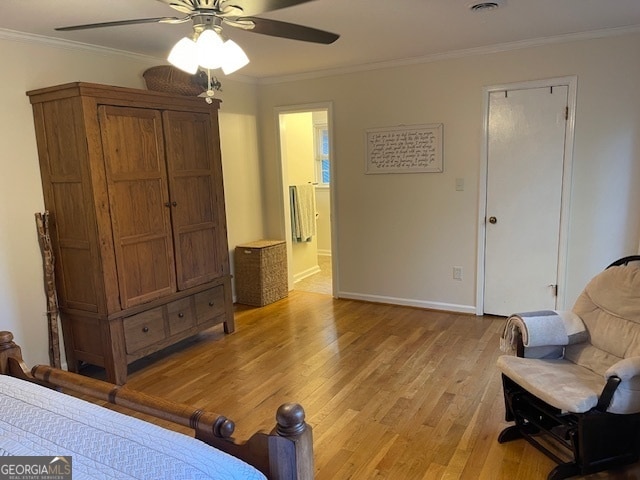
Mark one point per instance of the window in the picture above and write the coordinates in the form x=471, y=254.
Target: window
x=321, y=137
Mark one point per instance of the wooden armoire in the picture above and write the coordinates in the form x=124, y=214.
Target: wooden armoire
x=133, y=183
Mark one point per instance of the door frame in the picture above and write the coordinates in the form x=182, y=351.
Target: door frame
x=572, y=83
x=284, y=187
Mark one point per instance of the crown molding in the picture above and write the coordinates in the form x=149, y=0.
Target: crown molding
x=485, y=50
x=23, y=37
x=15, y=36
x=12, y=35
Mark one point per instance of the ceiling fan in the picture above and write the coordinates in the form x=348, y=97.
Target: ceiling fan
x=234, y=13
x=208, y=17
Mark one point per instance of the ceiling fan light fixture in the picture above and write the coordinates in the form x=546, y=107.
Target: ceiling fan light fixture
x=208, y=16
x=233, y=57
x=209, y=49
x=183, y=55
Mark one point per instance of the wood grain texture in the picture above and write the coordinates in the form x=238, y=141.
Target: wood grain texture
x=193, y=163
x=133, y=149
x=133, y=181
x=391, y=392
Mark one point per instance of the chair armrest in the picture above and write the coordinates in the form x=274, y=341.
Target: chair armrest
x=625, y=369
x=622, y=392
x=607, y=393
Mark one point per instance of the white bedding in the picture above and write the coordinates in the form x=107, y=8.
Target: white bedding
x=104, y=444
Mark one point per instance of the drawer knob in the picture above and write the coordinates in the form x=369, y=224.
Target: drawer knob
x=211, y=303
x=145, y=329
x=180, y=315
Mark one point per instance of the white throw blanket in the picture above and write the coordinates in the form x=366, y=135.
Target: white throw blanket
x=541, y=329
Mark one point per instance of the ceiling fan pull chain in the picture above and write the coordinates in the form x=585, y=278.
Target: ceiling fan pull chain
x=210, y=92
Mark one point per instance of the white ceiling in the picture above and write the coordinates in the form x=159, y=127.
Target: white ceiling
x=370, y=31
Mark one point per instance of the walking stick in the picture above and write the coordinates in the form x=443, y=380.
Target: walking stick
x=48, y=261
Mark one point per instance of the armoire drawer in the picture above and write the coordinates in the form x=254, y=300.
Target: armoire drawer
x=180, y=315
x=209, y=304
x=143, y=329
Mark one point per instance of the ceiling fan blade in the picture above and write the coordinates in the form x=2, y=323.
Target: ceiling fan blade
x=293, y=31
x=123, y=22
x=184, y=6
x=255, y=7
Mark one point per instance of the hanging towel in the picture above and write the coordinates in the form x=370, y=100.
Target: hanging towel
x=303, y=212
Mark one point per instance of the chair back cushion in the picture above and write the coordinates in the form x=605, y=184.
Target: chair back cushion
x=609, y=306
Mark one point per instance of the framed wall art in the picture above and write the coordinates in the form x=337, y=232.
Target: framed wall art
x=404, y=149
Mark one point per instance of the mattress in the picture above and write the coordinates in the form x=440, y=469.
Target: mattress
x=104, y=444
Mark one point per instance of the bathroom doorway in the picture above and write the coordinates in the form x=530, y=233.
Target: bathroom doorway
x=306, y=157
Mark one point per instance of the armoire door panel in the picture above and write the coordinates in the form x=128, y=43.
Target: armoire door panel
x=144, y=280
x=140, y=207
x=133, y=148
x=198, y=258
x=191, y=189
x=135, y=139
x=189, y=137
x=191, y=165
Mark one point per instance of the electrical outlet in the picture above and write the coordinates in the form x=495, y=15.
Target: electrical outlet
x=457, y=273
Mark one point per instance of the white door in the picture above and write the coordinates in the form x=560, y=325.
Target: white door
x=526, y=146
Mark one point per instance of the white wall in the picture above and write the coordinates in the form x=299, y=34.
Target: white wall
x=399, y=235
x=240, y=164
x=28, y=65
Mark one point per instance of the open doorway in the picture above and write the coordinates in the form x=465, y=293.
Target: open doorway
x=306, y=155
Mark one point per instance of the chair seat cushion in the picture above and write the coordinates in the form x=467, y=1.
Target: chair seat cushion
x=559, y=383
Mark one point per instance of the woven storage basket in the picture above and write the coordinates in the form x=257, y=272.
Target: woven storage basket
x=168, y=79
x=261, y=272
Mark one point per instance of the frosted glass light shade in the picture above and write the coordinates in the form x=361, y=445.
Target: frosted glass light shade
x=209, y=51
x=233, y=57
x=183, y=55
x=209, y=46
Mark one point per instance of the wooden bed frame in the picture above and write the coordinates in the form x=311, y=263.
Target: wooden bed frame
x=284, y=454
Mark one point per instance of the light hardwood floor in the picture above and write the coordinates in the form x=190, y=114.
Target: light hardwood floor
x=391, y=392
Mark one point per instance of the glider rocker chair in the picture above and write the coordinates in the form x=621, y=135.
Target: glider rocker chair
x=573, y=387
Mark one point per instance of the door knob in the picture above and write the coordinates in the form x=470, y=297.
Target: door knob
x=493, y=220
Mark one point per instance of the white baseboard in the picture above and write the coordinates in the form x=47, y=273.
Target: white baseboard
x=307, y=273
x=324, y=253
x=408, y=302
